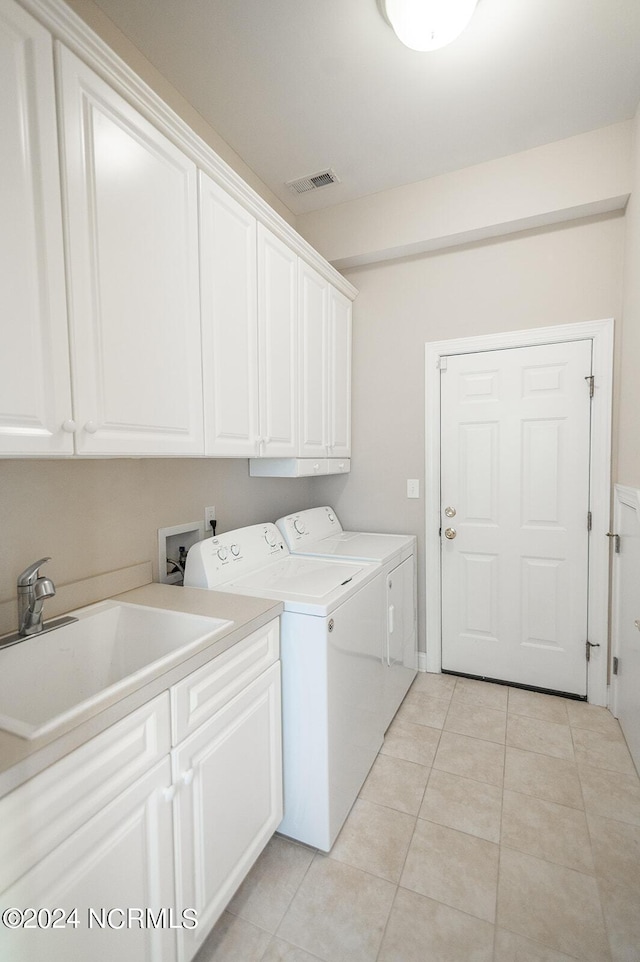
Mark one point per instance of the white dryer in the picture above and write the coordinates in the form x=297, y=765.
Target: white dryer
x=317, y=532
x=332, y=678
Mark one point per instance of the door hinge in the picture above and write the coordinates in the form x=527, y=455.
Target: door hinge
x=588, y=645
x=589, y=521
x=616, y=665
x=592, y=384
x=442, y=363
x=616, y=541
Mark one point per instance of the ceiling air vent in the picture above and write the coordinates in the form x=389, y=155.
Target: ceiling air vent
x=322, y=179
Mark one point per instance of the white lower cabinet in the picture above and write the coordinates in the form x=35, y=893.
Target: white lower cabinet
x=130, y=850
x=120, y=860
x=229, y=802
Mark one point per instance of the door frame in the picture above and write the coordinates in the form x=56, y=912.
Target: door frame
x=630, y=498
x=601, y=334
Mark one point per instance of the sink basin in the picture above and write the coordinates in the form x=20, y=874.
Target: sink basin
x=71, y=673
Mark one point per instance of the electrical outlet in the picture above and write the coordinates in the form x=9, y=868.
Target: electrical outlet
x=209, y=515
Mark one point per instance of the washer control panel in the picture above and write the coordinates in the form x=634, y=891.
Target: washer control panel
x=214, y=561
x=306, y=527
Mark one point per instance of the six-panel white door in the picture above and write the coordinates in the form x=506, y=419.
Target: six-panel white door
x=515, y=499
x=132, y=218
x=35, y=387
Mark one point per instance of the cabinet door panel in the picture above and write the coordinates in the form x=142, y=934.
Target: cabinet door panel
x=229, y=322
x=35, y=392
x=232, y=804
x=133, y=271
x=339, y=374
x=313, y=363
x=277, y=338
x=67, y=794
x=122, y=858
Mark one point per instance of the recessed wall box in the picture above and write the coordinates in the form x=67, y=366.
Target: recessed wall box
x=170, y=541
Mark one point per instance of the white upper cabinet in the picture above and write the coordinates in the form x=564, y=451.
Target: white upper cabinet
x=325, y=368
x=277, y=345
x=249, y=325
x=313, y=366
x=147, y=311
x=35, y=395
x=132, y=236
x=339, y=377
x=229, y=322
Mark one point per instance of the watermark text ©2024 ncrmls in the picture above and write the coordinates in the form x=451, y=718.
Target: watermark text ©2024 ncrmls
x=99, y=918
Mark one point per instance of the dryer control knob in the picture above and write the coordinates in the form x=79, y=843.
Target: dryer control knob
x=235, y=550
x=270, y=538
x=222, y=554
x=299, y=526
x=331, y=516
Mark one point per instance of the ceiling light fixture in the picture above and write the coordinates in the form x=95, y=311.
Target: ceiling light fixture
x=428, y=24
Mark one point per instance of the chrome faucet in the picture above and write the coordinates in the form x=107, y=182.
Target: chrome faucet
x=32, y=594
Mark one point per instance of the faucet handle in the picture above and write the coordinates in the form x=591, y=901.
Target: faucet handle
x=30, y=574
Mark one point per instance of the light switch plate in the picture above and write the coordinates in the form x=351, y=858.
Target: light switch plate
x=413, y=488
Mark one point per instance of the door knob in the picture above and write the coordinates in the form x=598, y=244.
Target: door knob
x=450, y=533
x=450, y=512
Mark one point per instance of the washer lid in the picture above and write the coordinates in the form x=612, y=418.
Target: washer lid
x=299, y=577
x=358, y=545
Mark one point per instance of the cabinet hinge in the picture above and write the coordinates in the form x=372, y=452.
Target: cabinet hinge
x=589, y=521
x=588, y=645
x=590, y=379
x=616, y=541
x=616, y=665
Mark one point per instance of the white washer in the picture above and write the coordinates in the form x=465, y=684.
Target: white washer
x=332, y=634
x=317, y=532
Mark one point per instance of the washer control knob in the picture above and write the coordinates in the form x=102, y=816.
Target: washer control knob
x=235, y=550
x=222, y=554
x=331, y=516
x=270, y=538
x=299, y=526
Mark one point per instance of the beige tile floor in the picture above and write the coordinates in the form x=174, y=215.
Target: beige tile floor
x=496, y=825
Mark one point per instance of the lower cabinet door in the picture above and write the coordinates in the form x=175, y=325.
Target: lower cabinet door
x=106, y=892
x=229, y=802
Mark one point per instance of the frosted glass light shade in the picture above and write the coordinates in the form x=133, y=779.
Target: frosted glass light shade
x=428, y=24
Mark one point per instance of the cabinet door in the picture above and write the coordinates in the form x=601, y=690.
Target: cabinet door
x=312, y=363
x=339, y=389
x=120, y=859
x=131, y=200
x=229, y=803
x=35, y=391
x=229, y=323
x=401, y=649
x=277, y=345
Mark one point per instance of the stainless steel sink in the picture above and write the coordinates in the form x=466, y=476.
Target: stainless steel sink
x=48, y=680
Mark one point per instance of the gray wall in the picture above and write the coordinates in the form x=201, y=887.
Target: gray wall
x=556, y=276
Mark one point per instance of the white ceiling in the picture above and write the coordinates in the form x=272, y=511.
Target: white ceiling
x=296, y=86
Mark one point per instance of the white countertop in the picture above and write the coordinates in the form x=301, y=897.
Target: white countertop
x=22, y=758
